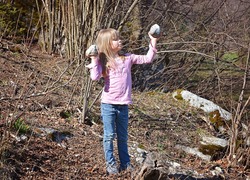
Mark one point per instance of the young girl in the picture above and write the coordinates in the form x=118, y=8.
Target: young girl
x=116, y=95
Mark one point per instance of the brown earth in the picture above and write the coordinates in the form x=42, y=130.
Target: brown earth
x=157, y=124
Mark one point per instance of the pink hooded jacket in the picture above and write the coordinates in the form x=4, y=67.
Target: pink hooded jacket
x=118, y=82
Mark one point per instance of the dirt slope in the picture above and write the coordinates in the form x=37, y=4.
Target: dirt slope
x=157, y=124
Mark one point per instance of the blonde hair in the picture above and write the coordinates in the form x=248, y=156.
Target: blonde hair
x=104, y=44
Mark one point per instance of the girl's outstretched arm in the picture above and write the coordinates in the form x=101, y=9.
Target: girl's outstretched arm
x=148, y=58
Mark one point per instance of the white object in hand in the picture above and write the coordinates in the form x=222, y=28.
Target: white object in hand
x=155, y=31
x=92, y=51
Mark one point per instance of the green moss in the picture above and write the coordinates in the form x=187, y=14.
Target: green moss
x=178, y=95
x=230, y=56
x=210, y=149
x=141, y=146
x=65, y=114
x=216, y=119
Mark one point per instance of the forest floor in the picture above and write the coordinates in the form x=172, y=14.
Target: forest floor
x=157, y=124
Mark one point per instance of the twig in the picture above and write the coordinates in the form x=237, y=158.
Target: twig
x=23, y=97
x=98, y=95
x=187, y=51
x=187, y=42
x=59, y=78
x=98, y=135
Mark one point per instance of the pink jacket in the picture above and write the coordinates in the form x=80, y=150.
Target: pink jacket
x=118, y=82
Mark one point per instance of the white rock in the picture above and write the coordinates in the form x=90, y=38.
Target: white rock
x=141, y=151
x=248, y=141
x=217, y=171
x=201, y=103
x=194, y=151
x=140, y=160
x=175, y=164
x=155, y=31
x=214, y=141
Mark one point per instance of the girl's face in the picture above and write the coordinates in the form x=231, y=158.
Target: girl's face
x=116, y=44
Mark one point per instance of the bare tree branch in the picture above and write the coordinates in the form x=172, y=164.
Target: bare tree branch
x=187, y=51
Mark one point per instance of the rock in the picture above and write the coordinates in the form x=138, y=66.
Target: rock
x=245, y=134
x=201, y=103
x=217, y=171
x=19, y=138
x=214, y=141
x=194, y=151
x=173, y=167
x=150, y=169
x=158, y=167
x=155, y=31
x=137, y=152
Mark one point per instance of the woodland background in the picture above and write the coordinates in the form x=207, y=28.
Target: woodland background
x=204, y=48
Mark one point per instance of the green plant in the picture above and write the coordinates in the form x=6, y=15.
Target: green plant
x=21, y=126
x=65, y=114
x=160, y=146
x=230, y=56
x=8, y=14
x=18, y=18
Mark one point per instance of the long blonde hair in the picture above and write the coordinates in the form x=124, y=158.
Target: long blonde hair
x=104, y=44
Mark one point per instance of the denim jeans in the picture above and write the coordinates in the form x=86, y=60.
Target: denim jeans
x=115, y=123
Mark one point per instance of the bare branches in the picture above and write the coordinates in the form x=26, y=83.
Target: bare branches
x=127, y=14
x=187, y=51
x=238, y=114
x=187, y=42
x=214, y=13
x=23, y=97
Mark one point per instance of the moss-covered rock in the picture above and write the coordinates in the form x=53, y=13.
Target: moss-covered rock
x=217, y=113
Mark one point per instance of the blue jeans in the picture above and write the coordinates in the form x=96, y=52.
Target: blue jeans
x=115, y=122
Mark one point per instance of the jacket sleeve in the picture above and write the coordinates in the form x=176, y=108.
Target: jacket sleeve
x=95, y=70
x=143, y=59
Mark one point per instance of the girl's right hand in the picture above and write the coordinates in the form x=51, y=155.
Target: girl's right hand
x=92, y=51
x=153, y=40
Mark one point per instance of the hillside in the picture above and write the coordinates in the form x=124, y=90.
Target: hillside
x=57, y=146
